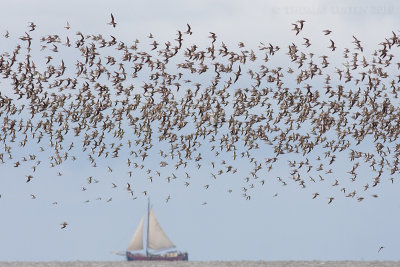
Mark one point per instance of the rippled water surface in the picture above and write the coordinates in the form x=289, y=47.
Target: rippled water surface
x=204, y=263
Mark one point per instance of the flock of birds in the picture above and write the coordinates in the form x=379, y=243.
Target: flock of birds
x=205, y=107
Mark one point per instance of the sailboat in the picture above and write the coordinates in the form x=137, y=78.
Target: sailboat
x=156, y=241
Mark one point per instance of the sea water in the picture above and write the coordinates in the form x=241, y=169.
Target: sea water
x=204, y=264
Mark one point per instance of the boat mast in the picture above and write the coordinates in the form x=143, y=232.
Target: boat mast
x=148, y=217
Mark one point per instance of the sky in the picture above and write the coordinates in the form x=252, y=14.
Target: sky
x=278, y=223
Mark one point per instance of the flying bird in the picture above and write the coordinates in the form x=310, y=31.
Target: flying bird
x=112, y=22
x=63, y=225
x=28, y=178
x=188, y=30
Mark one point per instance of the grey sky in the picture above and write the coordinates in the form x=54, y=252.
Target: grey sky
x=290, y=226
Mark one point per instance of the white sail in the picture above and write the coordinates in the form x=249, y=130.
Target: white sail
x=157, y=239
x=137, y=239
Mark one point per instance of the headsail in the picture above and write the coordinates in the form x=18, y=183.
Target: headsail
x=157, y=238
x=137, y=239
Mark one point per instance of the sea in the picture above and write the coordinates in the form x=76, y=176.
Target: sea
x=205, y=264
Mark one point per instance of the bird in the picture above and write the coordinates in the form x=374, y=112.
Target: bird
x=28, y=178
x=188, y=30
x=332, y=46
x=63, y=225
x=327, y=32
x=112, y=22
x=163, y=164
x=307, y=43
x=301, y=21
x=32, y=26
x=380, y=248
x=296, y=28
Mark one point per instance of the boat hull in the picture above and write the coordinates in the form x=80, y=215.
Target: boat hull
x=140, y=257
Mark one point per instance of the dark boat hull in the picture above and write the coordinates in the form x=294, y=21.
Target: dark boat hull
x=140, y=257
